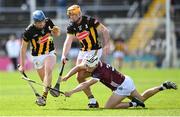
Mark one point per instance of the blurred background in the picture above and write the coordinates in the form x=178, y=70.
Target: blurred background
x=144, y=33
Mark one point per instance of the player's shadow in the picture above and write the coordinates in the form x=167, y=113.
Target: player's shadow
x=75, y=109
x=138, y=108
x=96, y=109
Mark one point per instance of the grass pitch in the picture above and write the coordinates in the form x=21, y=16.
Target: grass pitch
x=17, y=98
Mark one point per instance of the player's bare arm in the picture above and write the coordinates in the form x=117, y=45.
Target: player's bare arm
x=81, y=86
x=105, y=32
x=67, y=46
x=23, y=54
x=73, y=71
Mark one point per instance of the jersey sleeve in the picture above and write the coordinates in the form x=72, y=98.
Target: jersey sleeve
x=50, y=23
x=70, y=30
x=94, y=22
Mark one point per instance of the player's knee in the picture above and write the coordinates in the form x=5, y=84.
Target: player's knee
x=49, y=68
x=108, y=106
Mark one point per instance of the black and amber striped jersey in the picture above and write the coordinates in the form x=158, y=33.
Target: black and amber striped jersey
x=41, y=39
x=86, y=33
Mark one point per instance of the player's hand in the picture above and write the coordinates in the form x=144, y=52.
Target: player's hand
x=68, y=94
x=20, y=68
x=55, y=30
x=64, y=79
x=63, y=59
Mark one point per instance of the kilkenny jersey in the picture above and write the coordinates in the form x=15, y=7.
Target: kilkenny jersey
x=86, y=33
x=41, y=39
x=107, y=75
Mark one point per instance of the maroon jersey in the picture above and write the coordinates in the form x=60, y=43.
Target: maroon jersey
x=107, y=75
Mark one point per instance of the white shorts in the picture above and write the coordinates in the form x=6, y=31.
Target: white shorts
x=73, y=53
x=126, y=88
x=83, y=54
x=38, y=61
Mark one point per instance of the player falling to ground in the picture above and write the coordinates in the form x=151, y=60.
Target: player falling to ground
x=40, y=34
x=85, y=29
x=121, y=85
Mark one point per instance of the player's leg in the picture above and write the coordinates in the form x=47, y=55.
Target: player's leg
x=49, y=64
x=81, y=77
x=122, y=91
x=152, y=91
x=45, y=74
x=147, y=94
x=114, y=101
x=41, y=101
x=41, y=73
x=39, y=66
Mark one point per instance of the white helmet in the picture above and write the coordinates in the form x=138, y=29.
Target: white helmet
x=91, y=60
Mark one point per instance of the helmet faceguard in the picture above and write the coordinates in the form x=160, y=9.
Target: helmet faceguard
x=91, y=61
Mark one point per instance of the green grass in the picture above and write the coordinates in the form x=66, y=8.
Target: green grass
x=16, y=97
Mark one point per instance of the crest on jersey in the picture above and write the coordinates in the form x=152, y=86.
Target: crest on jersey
x=80, y=27
x=86, y=26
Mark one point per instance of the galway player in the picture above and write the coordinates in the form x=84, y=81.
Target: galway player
x=121, y=85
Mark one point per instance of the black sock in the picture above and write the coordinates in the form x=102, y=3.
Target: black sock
x=161, y=88
x=130, y=104
x=91, y=96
